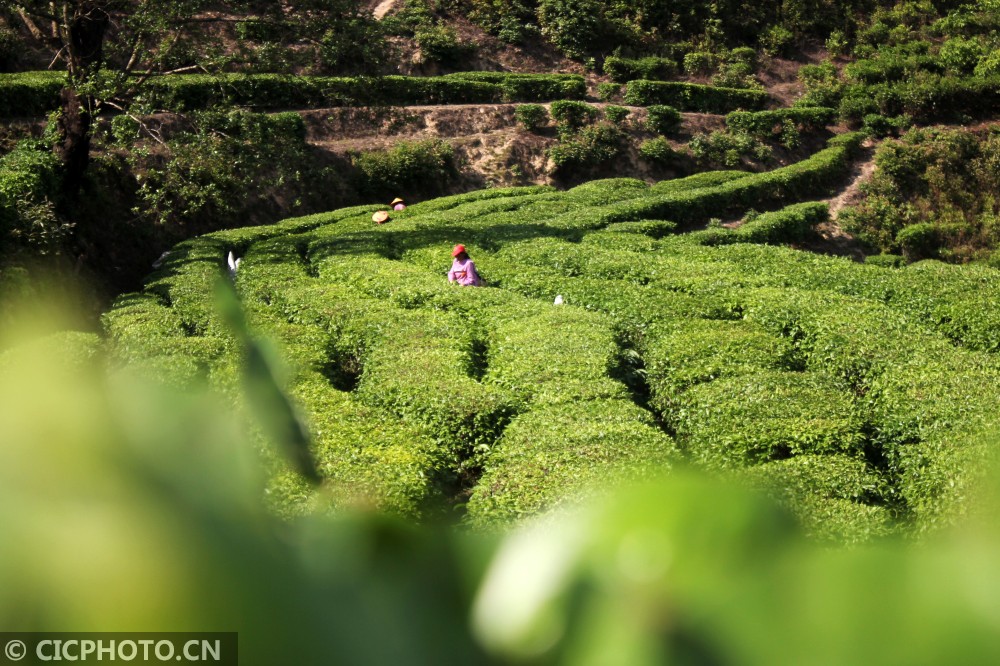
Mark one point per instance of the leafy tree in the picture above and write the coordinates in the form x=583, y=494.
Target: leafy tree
x=575, y=27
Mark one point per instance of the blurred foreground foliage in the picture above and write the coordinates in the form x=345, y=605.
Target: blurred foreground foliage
x=127, y=505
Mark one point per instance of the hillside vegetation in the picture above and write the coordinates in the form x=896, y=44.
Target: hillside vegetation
x=131, y=168
x=735, y=351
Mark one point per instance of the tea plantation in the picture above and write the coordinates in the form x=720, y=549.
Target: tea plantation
x=856, y=394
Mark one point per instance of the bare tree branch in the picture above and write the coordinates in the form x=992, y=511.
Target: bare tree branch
x=32, y=28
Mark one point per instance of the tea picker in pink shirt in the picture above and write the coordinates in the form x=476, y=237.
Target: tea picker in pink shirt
x=463, y=270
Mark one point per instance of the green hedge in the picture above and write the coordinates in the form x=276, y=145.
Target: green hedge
x=679, y=355
x=813, y=176
x=693, y=97
x=926, y=99
x=890, y=67
x=37, y=93
x=530, y=87
x=561, y=355
x=837, y=498
x=767, y=415
x=765, y=122
x=751, y=353
x=30, y=94
x=623, y=70
x=552, y=456
x=270, y=91
x=791, y=224
x=363, y=463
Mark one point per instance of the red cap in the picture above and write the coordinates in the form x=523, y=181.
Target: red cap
x=459, y=249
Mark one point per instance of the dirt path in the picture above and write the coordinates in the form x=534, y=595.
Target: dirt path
x=382, y=8
x=832, y=237
x=851, y=193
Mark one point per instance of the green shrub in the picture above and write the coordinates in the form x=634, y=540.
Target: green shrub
x=607, y=92
x=30, y=93
x=961, y=55
x=553, y=456
x=885, y=260
x=777, y=41
x=743, y=54
x=653, y=228
x=406, y=166
x=575, y=27
x=203, y=173
x=692, y=97
x=791, y=224
x=30, y=187
x=879, y=126
x=578, y=347
x=440, y=43
x=837, y=499
x=589, y=148
x=728, y=148
x=919, y=241
x=616, y=114
x=837, y=44
x=736, y=75
x=360, y=462
x=658, y=151
x=925, y=98
x=685, y=353
x=571, y=115
x=766, y=123
x=662, y=119
x=699, y=62
x=531, y=116
x=989, y=65
x=823, y=85
x=623, y=70
x=762, y=416
x=516, y=87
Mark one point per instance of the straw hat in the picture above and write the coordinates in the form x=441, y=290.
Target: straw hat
x=395, y=201
x=380, y=216
x=459, y=249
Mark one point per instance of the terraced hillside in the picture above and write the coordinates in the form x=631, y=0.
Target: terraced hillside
x=856, y=393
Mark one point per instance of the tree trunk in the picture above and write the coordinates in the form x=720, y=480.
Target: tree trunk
x=74, y=145
x=87, y=28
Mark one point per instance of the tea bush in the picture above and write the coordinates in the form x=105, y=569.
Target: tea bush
x=502, y=399
x=531, y=116
x=517, y=87
x=30, y=188
x=589, y=148
x=763, y=123
x=176, y=468
x=662, y=119
x=623, y=70
x=657, y=151
x=405, y=166
x=36, y=93
x=693, y=97
x=562, y=454
x=765, y=415
x=571, y=116
x=30, y=93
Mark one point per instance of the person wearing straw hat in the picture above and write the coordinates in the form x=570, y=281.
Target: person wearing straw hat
x=463, y=270
x=397, y=204
x=380, y=217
